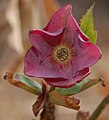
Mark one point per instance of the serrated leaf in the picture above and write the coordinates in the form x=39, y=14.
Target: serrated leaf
x=77, y=88
x=23, y=82
x=87, y=25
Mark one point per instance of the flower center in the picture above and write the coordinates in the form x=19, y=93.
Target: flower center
x=62, y=54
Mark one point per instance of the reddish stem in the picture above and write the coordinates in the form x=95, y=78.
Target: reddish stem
x=48, y=111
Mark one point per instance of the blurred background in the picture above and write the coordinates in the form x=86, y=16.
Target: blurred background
x=17, y=17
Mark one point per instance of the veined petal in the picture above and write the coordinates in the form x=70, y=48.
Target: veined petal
x=46, y=68
x=87, y=54
x=66, y=83
x=71, y=30
x=59, y=19
x=44, y=41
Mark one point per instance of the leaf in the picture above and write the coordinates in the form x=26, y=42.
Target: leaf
x=87, y=25
x=83, y=85
x=62, y=100
x=38, y=105
x=23, y=82
x=40, y=102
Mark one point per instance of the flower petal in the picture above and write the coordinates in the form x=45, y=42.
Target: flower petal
x=58, y=20
x=35, y=66
x=84, y=37
x=44, y=41
x=64, y=19
x=66, y=83
x=71, y=31
x=87, y=54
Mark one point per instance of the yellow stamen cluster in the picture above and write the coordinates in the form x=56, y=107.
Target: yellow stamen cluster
x=62, y=53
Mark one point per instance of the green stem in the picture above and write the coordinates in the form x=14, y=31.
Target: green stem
x=99, y=109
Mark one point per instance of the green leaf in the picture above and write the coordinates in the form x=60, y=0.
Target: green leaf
x=23, y=82
x=83, y=85
x=87, y=25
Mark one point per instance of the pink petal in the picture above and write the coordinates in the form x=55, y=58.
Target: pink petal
x=44, y=41
x=87, y=54
x=69, y=69
x=69, y=82
x=59, y=19
x=35, y=66
x=84, y=37
x=71, y=31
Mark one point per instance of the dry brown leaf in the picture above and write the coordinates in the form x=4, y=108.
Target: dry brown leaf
x=66, y=101
x=40, y=102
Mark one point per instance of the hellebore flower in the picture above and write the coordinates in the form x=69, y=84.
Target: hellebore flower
x=61, y=53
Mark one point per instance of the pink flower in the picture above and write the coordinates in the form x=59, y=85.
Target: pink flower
x=61, y=53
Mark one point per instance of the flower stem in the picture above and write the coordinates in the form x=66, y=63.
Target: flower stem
x=99, y=109
x=48, y=111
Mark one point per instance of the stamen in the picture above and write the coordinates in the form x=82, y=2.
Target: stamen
x=62, y=54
